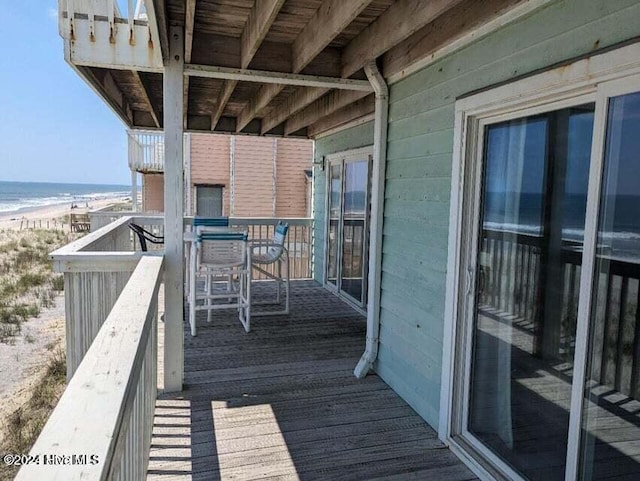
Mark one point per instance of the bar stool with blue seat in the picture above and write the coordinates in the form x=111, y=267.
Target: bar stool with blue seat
x=197, y=223
x=272, y=252
x=221, y=255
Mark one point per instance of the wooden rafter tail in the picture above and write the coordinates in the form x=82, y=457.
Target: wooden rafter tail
x=322, y=107
x=155, y=115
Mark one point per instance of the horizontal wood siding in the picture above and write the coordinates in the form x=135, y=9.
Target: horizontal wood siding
x=153, y=192
x=253, y=187
x=420, y=145
x=348, y=139
x=293, y=158
x=210, y=163
x=418, y=175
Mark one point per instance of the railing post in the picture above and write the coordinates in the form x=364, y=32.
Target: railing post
x=173, y=211
x=134, y=190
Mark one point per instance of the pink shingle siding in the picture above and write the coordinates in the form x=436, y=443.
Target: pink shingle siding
x=250, y=189
x=153, y=192
x=210, y=156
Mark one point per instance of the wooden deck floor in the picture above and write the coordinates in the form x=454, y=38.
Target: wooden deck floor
x=281, y=403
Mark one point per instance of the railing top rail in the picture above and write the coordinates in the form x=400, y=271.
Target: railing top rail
x=158, y=133
x=84, y=243
x=270, y=220
x=90, y=413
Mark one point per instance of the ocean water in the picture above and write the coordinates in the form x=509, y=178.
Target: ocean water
x=619, y=235
x=20, y=196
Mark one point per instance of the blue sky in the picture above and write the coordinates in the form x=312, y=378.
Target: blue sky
x=53, y=127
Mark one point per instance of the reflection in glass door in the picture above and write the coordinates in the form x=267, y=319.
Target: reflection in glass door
x=354, y=226
x=534, y=193
x=347, y=229
x=549, y=342
x=333, y=234
x=611, y=409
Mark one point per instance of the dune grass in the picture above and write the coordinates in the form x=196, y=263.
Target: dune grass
x=23, y=426
x=27, y=283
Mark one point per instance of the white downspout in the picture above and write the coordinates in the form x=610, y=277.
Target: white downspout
x=377, y=212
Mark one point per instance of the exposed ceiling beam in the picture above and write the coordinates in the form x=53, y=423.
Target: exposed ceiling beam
x=359, y=109
x=331, y=18
x=277, y=78
x=262, y=16
x=189, y=22
x=401, y=19
x=145, y=93
x=115, y=104
x=396, y=24
x=292, y=105
x=329, y=21
x=156, y=13
x=223, y=97
x=466, y=22
x=112, y=89
x=320, y=108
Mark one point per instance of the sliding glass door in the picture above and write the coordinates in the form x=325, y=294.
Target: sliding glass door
x=534, y=195
x=347, y=224
x=548, y=346
x=611, y=406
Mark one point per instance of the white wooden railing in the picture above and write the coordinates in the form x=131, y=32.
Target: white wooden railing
x=96, y=268
x=101, y=427
x=101, y=35
x=299, y=240
x=146, y=151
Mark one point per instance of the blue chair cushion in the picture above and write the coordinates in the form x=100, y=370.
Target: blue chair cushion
x=211, y=221
x=228, y=236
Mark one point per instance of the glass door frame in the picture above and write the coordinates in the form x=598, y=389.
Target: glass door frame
x=341, y=159
x=595, y=82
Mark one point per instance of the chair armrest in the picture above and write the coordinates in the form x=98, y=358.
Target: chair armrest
x=260, y=241
x=264, y=244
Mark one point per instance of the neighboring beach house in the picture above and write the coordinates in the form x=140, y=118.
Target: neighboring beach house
x=225, y=175
x=475, y=185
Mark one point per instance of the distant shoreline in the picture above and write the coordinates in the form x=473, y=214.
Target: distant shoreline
x=20, y=198
x=13, y=219
x=19, y=212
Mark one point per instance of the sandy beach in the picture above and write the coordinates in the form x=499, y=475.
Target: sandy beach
x=12, y=220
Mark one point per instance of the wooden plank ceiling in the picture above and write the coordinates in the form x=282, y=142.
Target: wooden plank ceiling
x=333, y=38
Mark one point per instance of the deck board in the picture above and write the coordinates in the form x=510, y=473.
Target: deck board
x=281, y=403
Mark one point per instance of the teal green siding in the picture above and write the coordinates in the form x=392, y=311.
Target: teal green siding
x=352, y=138
x=418, y=176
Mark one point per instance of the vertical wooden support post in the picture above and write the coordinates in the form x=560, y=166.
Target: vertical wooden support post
x=173, y=212
x=134, y=190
